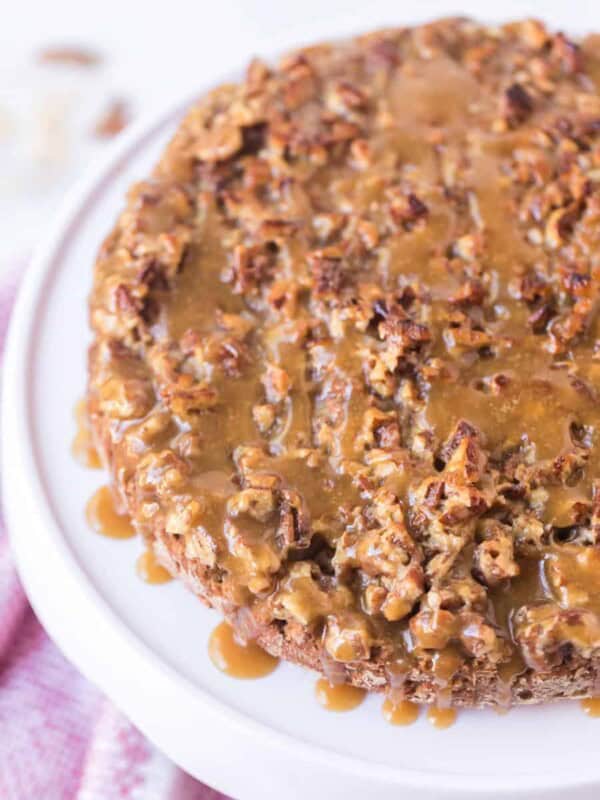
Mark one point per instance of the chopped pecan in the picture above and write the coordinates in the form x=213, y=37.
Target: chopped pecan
x=433, y=629
x=187, y=397
x=517, y=104
x=124, y=398
x=161, y=473
x=539, y=319
x=548, y=634
x=252, y=265
x=567, y=53
x=301, y=598
x=347, y=637
x=330, y=274
x=219, y=142
x=560, y=225
x=260, y=504
x=343, y=96
x=277, y=383
x=529, y=534
x=264, y=416
x=463, y=454
x=479, y=638
x=403, y=334
x=403, y=592
x=493, y=559
x=471, y=293
x=294, y=529
x=408, y=209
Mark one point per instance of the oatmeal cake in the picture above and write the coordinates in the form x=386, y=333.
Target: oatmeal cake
x=347, y=359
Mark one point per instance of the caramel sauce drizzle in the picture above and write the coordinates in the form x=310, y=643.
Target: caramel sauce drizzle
x=103, y=517
x=149, y=569
x=338, y=697
x=400, y=712
x=591, y=706
x=236, y=659
x=441, y=717
x=82, y=447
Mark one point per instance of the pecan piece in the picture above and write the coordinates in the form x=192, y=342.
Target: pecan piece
x=548, y=634
x=493, y=559
x=330, y=275
x=347, y=637
x=433, y=628
x=517, y=104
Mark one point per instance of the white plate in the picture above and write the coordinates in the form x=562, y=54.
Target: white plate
x=145, y=646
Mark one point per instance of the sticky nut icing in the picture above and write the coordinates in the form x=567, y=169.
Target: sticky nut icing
x=347, y=349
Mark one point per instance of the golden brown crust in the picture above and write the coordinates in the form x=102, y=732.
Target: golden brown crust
x=346, y=359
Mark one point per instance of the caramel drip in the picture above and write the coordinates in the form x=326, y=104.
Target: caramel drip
x=238, y=660
x=82, y=447
x=103, y=517
x=338, y=697
x=509, y=670
x=527, y=587
x=591, y=706
x=149, y=569
x=400, y=712
x=446, y=663
x=441, y=717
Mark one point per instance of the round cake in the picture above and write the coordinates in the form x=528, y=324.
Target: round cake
x=346, y=362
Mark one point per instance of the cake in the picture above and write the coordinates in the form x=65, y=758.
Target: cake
x=346, y=360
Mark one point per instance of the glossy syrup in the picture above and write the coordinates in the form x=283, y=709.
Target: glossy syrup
x=82, y=447
x=236, y=659
x=400, y=712
x=150, y=571
x=338, y=697
x=105, y=519
x=441, y=718
x=591, y=706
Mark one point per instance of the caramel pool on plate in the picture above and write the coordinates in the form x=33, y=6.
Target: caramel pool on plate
x=103, y=517
x=441, y=717
x=591, y=706
x=150, y=571
x=338, y=697
x=236, y=659
x=400, y=712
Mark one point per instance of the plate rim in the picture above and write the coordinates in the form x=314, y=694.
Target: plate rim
x=18, y=446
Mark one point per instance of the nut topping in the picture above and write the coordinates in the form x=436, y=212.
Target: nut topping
x=347, y=351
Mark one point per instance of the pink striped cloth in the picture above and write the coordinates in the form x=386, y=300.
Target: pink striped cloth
x=60, y=739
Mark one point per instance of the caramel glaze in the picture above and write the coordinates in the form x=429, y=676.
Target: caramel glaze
x=338, y=697
x=82, y=447
x=238, y=660
x=149, y=569
x=347, y=346
x=441, y=717
x=400, y=712
x=591, y=706
x=103, y=517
